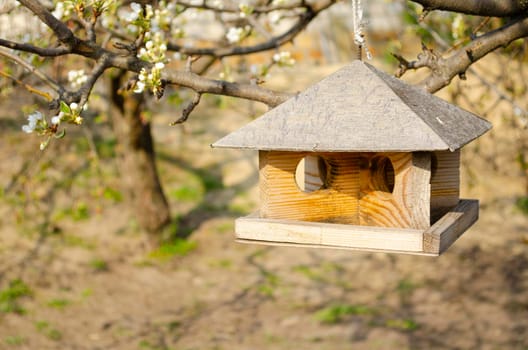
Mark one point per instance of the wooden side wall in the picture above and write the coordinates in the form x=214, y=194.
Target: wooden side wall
x=445, y=183
x=282, y=199
x=354, y=195
x=408, y=204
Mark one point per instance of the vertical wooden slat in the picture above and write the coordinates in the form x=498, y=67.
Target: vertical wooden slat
x=408, y=204
x=445, y=183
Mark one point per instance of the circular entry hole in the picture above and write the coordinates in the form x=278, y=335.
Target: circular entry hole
x=381, y=174
x=312, y=173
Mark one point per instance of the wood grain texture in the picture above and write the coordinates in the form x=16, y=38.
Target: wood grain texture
x=433, y=241
x=408, y=204
x=281, y=198
x=327, y=234
x=445, y=183
x=356, y=188
x=360, y=109
x=320, y=246
x=451, y=226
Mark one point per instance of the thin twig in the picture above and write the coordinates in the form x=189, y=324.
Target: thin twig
x=32, y=69
x=187, y=110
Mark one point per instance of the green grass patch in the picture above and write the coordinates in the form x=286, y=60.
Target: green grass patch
x=11, y=295
x=225, y=227
x=308, y=272
x=58, y=303
x=176, y=247
x=222, y=263
x=522, y=205
x=112, y=195
x=406, y=286
x=338, y=313
x=402, y=324
x=50, y=332
x=76, y=241
x=211, y=182
x=106, y=148
x=86, y=293
x=78, y=212
x=98, y=265
x=14, y=340
x=187, y=193
x=270, y=284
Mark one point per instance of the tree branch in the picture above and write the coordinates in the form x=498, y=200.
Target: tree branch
x=64, y=34
x=492, y=8
x=44, y=52
x=219, y=87
x=47, y=80
x=274, y=42
x=443, y=70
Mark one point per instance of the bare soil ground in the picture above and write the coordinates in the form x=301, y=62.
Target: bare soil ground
x=75, y=272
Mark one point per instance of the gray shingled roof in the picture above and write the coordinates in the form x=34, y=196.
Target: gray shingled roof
x=359, y=108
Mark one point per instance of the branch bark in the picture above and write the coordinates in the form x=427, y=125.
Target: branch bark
x=492, y=8
x=272, y=43
x=443, y=70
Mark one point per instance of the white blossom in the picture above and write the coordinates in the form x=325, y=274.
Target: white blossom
x=234, y=34
x=77, y=78
x=275, y=17
x=57, y=119
x=34, y=120
x=140, y=87
x=284, y=58
x=27, y=129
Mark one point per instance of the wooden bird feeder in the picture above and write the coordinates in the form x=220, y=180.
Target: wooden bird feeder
x=360, y=160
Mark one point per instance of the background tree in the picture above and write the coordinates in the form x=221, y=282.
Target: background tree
x=145, y=50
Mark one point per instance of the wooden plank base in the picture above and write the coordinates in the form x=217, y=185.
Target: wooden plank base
x=432, y=241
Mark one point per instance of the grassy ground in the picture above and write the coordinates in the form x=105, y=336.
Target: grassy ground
x=75, y=272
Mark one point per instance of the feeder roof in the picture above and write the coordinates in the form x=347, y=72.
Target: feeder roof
x=360, y=109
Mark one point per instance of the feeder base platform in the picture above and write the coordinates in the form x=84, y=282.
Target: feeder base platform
x=431, y=242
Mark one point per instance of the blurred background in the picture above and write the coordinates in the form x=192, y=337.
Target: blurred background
x=76, y=271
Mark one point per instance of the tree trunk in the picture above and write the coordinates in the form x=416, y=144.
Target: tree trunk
x=137, y=158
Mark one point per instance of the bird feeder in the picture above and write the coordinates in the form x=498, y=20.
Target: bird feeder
x=360, y=160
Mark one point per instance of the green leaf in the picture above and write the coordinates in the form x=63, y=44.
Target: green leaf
x=64, y=107
x=60, y=134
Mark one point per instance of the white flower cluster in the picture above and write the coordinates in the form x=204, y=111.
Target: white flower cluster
x=36, y=122
x=150, y=80
x=284, y=59
x=162, y=16
x=245, y=10
x=458, y=27
x=63, y=9
x=236, y=34
x=155, y=48
x=137, y=18
x=135, y=13
x=77, y=78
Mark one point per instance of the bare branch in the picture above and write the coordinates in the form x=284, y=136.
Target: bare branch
x=219, y=87
x=29, y=67
x=274, y=42
x=64, y=34
x=44, y=52
x=443, y=70
x=492, y=8
x=187, y=110
x=232, y=8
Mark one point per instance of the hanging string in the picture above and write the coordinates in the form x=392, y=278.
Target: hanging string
x=357, y=27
